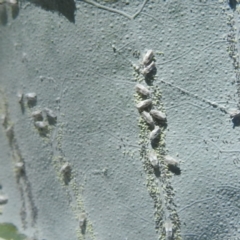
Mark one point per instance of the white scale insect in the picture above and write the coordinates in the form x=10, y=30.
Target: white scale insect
x=142, y=90
x=153, y=159
x=171, y=161
x=10, y=132
x=154, y=134
x=144, y=104
x=41, y=125
x=20, y=97
x=66, y=168
x=148, y=69
x=50, y=114
x=168, y=229
x=3, y=199
x=82, y=220
x=31, y=97
x=147, y=118
x=19, y=166
x=37, y=115
x=158, y=115
x=148, y=57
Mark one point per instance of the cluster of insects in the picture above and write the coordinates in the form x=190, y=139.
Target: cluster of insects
x=42, y=118
x=154, y=119
x=152, y=116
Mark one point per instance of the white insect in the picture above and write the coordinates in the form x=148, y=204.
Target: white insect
x=168, y=229
x=41, y=125
x=66, y=168
x=142, y=90
x=82, y=220
x=154, y=134
x=147, y=118
x=10, y=132
x=234, y=112
x=50, y=114
x=3, y=199
x=19, y=167
x=13, y=1
x=171, y=161
x=37, y=115
x=148, y=69
x=153, y=159
x=144, y=104
x=158, y=115
x=20, y=97
x=148, y=57
x=31, y=97
x=4, y=120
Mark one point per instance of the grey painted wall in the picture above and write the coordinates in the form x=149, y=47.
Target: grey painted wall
x=78, y=59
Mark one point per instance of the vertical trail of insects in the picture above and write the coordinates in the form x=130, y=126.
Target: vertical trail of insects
x=23, y=182
x=158, y=178
x=67, y=179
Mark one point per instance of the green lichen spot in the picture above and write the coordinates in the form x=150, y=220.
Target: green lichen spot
x=9, y=232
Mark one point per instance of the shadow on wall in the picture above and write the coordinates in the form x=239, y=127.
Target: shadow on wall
x=233, y=4
x=66, y=8
x=10, y=8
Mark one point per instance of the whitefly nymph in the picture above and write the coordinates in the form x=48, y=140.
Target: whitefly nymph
x=171, y=161
x=168, y=229
x=153, y=159
x=31, y=97
x=144, y=104
x=66, y=168
x=148, y=57
x=20, y=97
x=37, y=115
x=4, y=120
x=50, y=114
x=19, y=166
x=141, y=89
x=3, y=199
x=154, y=134
x=41, y=125
x=82, y=220
x=10, y=132
x=158, y=115
x=147, y=118
x=149, y=69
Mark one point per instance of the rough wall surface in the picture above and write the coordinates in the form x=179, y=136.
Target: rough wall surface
x=84, y=72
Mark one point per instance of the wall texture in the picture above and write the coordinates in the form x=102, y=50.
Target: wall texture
x=85, y=172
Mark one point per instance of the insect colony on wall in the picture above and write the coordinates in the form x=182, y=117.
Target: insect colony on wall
x=43, y=119
x=154, y=119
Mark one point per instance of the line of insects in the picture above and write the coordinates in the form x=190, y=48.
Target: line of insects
x=153, y=117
